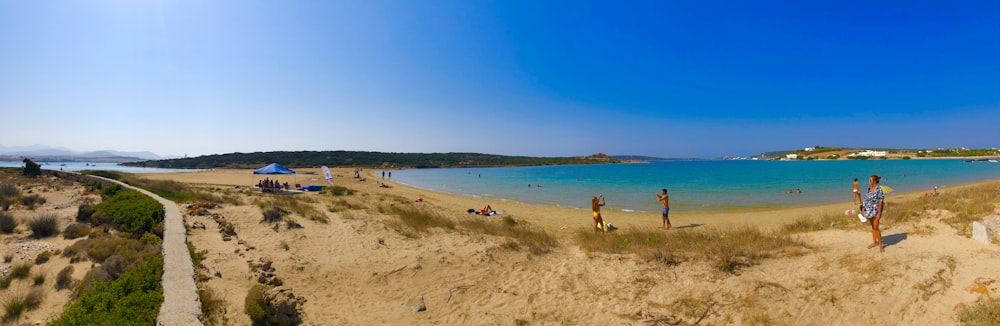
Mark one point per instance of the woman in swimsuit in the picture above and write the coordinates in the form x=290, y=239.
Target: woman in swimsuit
x=595, y=205
x=857, y=193
x=872, y=208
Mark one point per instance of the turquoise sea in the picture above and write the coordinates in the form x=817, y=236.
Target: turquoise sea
x=80, y=166
x=696, y=185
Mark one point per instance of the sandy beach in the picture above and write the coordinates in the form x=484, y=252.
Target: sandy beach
x=359, y=269
x=348, y=260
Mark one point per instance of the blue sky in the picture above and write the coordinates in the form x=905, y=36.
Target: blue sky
x=540, y=78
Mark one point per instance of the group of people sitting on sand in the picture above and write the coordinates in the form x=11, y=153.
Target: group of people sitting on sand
x=268, y=185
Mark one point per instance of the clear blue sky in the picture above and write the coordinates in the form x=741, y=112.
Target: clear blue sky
x=540, y=78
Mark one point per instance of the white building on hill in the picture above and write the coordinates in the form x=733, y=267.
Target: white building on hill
x=871, y=153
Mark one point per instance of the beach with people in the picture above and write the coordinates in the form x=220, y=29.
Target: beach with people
x=379, y=256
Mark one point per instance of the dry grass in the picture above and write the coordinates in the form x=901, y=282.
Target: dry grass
x=213, y=307
x=417, y=218
x=968, y=205
x=17, y=303
x=726, y=249
x=810, y=224
x=299, y=205
x=985, y=311
x=536, y=241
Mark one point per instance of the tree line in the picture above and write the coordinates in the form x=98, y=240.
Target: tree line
x=365, y=159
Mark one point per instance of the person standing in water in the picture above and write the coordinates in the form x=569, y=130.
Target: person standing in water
x=857, y=192
x=595, y=205
x=872, y=208
x=665, y=199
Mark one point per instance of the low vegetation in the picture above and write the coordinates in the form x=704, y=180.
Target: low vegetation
x=15, y=303
x=64, y=279
x=253, y=305
x=132, y=212
x=8, y=194
x=7, y=223
x=727, y=250
x=276, y=208
x=76, y=230
x=985, y=311
x=32, y=201
x=133, y=298
x=45, y=225
x=43, y=257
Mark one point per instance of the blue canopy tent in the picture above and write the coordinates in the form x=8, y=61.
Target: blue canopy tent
x=274, y=168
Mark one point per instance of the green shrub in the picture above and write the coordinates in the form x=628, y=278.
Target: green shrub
x=8, y=258
x=32, y=201
x=20, y=271
x=150, y=239
x=132, y=299
x=38, y=279
x=111, y=190
x=64, y=279
x=253, y=305
x=99, y=249
x=274, y=214
x=5, y=282
x=340, y=191
x=132, y=212
x=45, y=225
x=7, y=223
x=84, y=212
x=985, y=311
x=213, y=308
x=77, y=230
x=43, y=257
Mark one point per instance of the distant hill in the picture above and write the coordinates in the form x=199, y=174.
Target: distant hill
x=367, y=159
x=52, y=154
x=650, y=158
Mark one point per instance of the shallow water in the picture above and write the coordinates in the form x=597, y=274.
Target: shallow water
x=103, y=166
x=696, y=184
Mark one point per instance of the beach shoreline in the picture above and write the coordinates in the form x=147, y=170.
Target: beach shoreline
x=364, y=260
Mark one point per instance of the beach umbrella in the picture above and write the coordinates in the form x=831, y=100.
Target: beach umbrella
x=887, y=189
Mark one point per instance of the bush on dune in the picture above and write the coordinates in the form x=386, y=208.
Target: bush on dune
x=132, y=212
x=7, y=223
x=45, y=225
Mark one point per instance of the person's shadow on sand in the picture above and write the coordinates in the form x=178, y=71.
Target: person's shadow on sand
x=893, y=239
x=692, y=225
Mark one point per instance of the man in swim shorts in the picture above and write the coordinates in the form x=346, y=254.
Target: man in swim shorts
x=665, y=199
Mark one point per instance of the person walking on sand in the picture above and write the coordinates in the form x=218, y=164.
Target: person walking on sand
x=595, y=205
x=857, y=193
x=872, y=208
x=665, y=199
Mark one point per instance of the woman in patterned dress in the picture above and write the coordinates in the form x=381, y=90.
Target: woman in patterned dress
x=872, y=208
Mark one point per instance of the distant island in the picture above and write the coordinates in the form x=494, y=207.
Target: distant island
x=840, y=153
x=366, y=159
